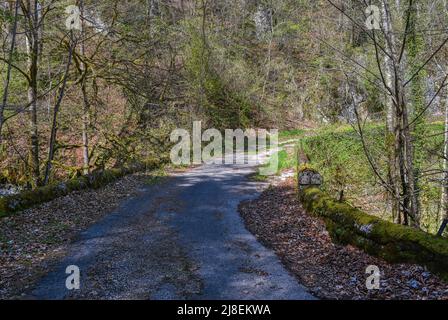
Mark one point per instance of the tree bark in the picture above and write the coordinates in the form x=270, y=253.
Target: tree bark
x=403, y=152
x=391, y=127
x=86, y=105
x=444, y=197
x=32, y=44
x=55, y=114
x=8, y=71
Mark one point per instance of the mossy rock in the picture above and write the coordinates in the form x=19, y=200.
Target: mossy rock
x=392, y=242
x=4, y=207
x=29, y=198
x=306, y=167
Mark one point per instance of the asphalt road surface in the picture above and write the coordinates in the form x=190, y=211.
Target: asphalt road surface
x=179, y=239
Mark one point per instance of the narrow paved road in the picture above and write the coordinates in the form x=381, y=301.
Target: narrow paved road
x=180, y=239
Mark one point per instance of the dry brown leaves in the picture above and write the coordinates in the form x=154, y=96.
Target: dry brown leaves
x=329, y=271
x=34, y=239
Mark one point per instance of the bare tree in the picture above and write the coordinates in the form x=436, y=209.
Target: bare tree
x=51, y=149
x=30, y=9
x=444, y=195
x=390, y=51
x=13, y=34
x=86, y=106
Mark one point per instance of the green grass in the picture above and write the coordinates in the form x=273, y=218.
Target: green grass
x=258, y=177
x=286, y=160
x=290, y=134
x=337, y=153
x=156, y=176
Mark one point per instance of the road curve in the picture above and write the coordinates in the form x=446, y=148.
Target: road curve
x=180, y=239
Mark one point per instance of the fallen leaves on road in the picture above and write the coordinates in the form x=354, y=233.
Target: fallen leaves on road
x=330, y=271
x=32, y=240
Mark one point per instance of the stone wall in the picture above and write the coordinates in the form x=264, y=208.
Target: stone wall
x=392, y=242
x=29, y=198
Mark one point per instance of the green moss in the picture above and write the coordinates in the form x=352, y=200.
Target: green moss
x=29, y=198
x=78, y=183
x=306, y=166
x=338, y=154
x=3, y=207
x=258, y=177
x=392, y=242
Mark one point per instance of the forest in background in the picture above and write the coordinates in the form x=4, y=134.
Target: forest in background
x=109, y=93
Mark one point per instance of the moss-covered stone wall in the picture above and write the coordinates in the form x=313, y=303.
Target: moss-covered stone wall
x=392, y=242
x=29, y=198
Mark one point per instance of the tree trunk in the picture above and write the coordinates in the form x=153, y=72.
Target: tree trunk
x=86, y=105
x=55, y=114
x=410, y=188
x=402, y=133
x=415, y=46
x=444, y=197
x=443, y=214
x=32, y=43
x=391, y=129
x=13, y=34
